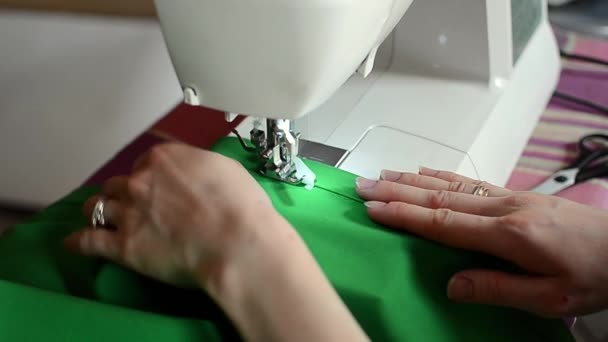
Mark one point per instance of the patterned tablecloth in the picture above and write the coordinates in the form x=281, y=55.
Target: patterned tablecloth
x=553, y=143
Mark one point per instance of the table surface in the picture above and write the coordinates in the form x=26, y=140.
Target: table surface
x=553, y=143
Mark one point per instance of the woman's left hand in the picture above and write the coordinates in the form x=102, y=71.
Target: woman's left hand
x=561, y=245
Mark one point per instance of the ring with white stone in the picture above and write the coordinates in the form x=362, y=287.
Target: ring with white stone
x=98, y=219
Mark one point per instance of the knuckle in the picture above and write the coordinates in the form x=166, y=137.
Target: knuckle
x=449, y=176
x=535, y=199
x=389, y=190
x=517, y=224
x=158, y=154
x=457, y=187
x=492, y=289
x=553, y=202
x=397, y=208
x=135, y=186
x=410, y=179
x=88, y=206
x=393, y=209
x=442, y=217
x=514, y=221
x=398, y=211
x=417, y=181
x=483, y=184
x=436, y=231
x=90, y=245
x=128, y=251
x=439, y=199
x=86, y=242
x=519, y=200
x=529, y=199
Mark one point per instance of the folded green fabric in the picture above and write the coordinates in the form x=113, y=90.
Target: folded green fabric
x=393, y=283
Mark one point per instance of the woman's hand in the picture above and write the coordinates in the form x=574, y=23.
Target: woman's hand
x=181, y=217
x=561, y=245
x=195, y=218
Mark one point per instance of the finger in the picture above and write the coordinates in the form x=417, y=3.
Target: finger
x=161, y=151
x=113, y=212
x=116, y=187
x=89, y=205
x=141, y=162
x=454, y=229
x=457, y=180
x=433, y=183
x=537, y=295
x=94, y=242
x=384, y=191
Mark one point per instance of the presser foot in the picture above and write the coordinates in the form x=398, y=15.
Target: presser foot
x=277, y=151
x=278, y=154
x=295, y=173
x=286, y=173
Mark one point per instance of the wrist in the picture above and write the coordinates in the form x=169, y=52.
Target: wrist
x=244, y=283
x=272, y=288
x=256, y=246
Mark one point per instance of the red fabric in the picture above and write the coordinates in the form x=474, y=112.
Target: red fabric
x=196, y=126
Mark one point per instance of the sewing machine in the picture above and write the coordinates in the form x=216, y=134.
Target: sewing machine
x=457, y=85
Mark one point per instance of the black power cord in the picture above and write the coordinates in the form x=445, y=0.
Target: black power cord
x=581, y=58
x=577, y=100
x=581, y=102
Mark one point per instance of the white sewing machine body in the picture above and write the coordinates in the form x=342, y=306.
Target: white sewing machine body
x=446, y=90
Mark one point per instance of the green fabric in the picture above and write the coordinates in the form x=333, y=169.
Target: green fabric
x=393, y=283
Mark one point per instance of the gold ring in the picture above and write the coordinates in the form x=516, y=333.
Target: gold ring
x=482, y=191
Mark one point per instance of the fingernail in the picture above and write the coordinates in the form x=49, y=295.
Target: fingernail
x=390, y=176
x=365, y=184
x=460, y=289
x=375, y=204
x=425, y=171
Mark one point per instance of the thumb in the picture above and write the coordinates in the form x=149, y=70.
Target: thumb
x=94, y=242
x=534, y=294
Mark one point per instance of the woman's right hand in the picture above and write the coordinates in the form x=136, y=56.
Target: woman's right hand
x=190, y=217
x=184, y=216
x=561, y=246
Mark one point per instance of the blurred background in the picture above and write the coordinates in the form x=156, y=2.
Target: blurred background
x=588, y=17
x=141, y=8
x=79, y=80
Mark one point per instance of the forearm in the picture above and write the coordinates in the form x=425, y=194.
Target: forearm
x=275, y=291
